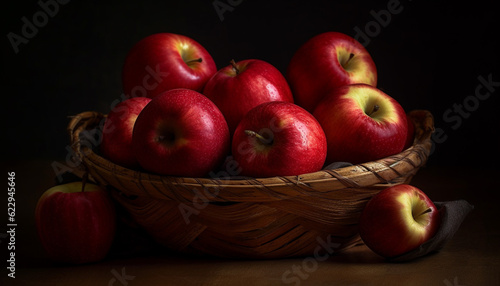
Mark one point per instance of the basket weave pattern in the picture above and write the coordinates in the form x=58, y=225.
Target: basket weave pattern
x=252, y=217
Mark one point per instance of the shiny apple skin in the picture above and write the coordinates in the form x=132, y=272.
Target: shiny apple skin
x=316, y=67
x=352, y=135
x=180, y=133
x=298, y=142
x=116, y=144
x=391, y=223
x=159, y=62
x=237, y=92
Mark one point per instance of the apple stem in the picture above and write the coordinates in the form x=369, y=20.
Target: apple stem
x=344, y=64
x=199, y=60
x=350, y=57
x=233, y=63
x=375, y=109
x=426, y=211
x=258, y=136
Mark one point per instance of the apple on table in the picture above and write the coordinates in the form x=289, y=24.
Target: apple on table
x=76, y=222
x=397, y=220
x=361, y=124
x=278, y=139
x=165, y=61
x=241, y=86
x=326, y=61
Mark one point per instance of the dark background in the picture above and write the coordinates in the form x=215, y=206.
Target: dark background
x=428, y=56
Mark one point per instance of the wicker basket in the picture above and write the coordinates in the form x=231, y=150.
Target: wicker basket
x=251, y=218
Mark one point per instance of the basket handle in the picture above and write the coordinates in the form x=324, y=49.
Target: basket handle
x=424, y=126
x=83, y=121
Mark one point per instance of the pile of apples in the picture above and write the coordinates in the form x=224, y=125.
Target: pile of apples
x=183, y=117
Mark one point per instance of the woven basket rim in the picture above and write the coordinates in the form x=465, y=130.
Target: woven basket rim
x=381, y=171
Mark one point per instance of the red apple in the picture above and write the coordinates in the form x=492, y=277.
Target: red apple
x=327, y=61
x=361, y=124
x=241, y=86
x=180, y=133
x=76, y=225
x=166, y=61
x=398, y=220
x=116, y=142
x=278, y=139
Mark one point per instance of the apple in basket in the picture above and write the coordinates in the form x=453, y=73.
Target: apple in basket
x=397, y=220
x=361, y=124
x=116, y=142
x=327, y=61
x=76, y=223
x=241, y=86
x=278, y=139
x=180, y=133
x=166, y=61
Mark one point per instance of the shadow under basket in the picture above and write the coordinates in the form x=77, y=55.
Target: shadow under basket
x=258, y=218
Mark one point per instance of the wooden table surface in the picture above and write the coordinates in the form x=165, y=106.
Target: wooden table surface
x=472, y=257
